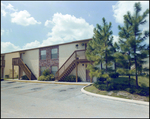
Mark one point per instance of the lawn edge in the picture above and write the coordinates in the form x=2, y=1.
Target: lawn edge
x=114, y=98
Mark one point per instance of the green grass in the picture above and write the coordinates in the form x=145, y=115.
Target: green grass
x=123, y=80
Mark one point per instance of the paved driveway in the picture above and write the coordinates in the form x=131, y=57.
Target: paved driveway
x=20, y=99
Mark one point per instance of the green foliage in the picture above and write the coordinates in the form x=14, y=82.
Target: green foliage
x=6, y=76
x=132, y=38
x=114, y=75
x=49, y=77
x=122, y=84
x=41, y=78
x=71, y=78
x=24, y=77
x=99, y=49
x=46, y=72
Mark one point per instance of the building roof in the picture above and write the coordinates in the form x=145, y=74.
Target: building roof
x=77, y=41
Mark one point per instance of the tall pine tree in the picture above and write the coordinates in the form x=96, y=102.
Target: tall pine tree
x=98, y=50
x=136, y=45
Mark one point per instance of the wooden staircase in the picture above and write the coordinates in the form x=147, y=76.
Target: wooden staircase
x=77, y=57
x=24, y=67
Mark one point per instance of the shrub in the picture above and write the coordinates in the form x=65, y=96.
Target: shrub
x=41, y=78
x=25, y=77
x=6, y=76
x=114, y=75
x=132, y=90
x=71, y=78
x=101, y=80
x=102, y=86
x=49, y=77
x=46, y=72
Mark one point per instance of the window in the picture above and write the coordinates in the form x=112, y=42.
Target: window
x=42, y=69
x=54, y=70
x=43, y=54
x=54, y=53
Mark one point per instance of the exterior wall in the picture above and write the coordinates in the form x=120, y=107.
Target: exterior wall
x=66, y=50
x=48, y=62
x=31, y=59
x=8, y=65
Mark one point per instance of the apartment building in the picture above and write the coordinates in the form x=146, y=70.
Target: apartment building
x=62, y=60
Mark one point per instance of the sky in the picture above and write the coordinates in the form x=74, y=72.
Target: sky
x=31, y=24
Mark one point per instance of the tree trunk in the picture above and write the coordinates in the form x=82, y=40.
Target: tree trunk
x=129, y=68
x=115, y=66
x=101, y=66
x=136, y=72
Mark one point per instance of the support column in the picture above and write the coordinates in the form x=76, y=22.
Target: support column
x=19, y=72
x=12, y=71
x=76, y=72
x=90, y=77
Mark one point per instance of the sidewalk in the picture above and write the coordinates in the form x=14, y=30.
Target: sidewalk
x=50, y=82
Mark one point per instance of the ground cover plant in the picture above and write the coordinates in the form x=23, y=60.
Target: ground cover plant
x=46, y=76
x=71, y=78
x=119, y=87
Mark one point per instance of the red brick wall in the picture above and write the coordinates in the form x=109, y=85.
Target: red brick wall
x=48, y=62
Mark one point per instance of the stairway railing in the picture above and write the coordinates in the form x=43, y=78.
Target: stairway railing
x=78, y=54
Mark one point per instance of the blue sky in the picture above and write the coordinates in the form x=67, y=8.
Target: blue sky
x=30, y=24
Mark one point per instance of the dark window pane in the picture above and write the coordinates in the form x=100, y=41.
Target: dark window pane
x=43, y=57
x=54, y=56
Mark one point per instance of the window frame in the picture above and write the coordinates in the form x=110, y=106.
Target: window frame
x=54, y=71
x=43, y=55
x=54, y=54
x=41, y=72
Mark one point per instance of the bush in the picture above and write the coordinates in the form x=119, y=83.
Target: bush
x=49, y=77
x=6, y=76
x=114, y=75
x=102, y=86
x=41, y=78
x=101, y=80
x=24, y=77
x=46, y=72
x=71, y=78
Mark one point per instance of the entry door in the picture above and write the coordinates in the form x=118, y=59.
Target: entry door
x=87, y=75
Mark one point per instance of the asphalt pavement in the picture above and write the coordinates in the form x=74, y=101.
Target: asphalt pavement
x=20, y=99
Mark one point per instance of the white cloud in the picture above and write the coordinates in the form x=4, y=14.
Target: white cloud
x=2, y=32
x=121, y=8
x=3, y=13
x=116, y=39
x=67, y=28
x=7, y=9
x=23, y=18
x=8, y=47
x=48, y=23
x=32, y=45
x=10, y=7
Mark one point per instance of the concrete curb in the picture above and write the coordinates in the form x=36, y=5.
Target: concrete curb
x=48, y=82
x=114, y=98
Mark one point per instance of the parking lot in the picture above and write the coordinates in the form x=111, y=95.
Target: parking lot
x=19, y=99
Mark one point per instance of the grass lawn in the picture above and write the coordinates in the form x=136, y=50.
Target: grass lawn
x=123, y=93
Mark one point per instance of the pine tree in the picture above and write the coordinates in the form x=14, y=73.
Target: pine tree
x=98, y=50
x=136, y=37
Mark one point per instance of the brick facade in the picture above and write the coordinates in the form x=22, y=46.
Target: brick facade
x=48, y=62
